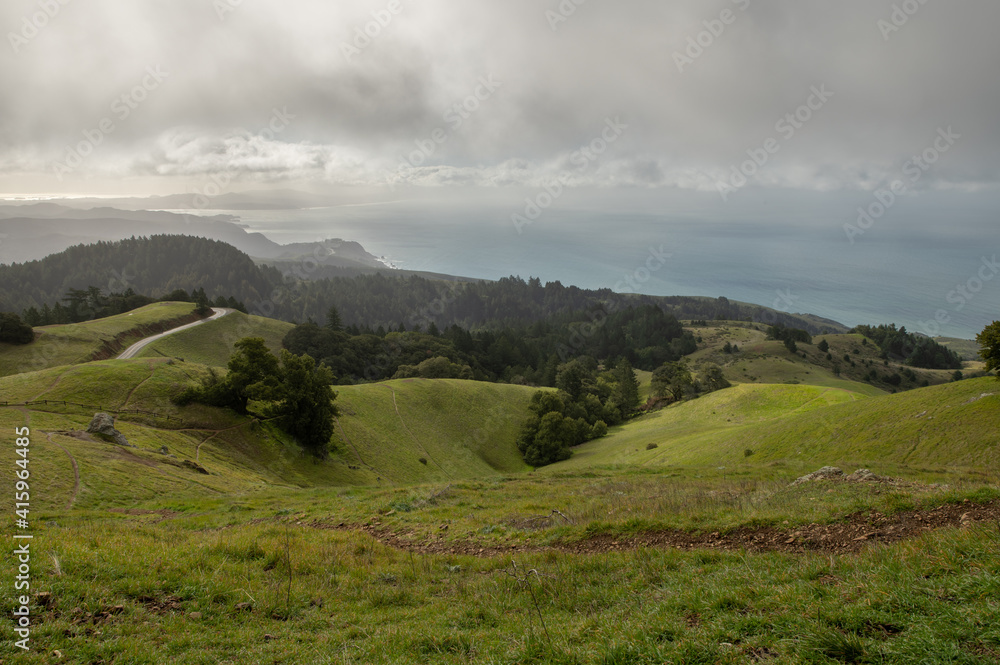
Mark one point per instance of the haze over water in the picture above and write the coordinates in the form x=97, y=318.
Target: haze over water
x=896, y=273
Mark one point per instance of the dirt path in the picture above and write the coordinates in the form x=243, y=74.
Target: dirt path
x=54, y=383
x=152, y=371
x=415, y=440
x=856, y=533
x=357, y=452
x=215, y=433
x=76, y=469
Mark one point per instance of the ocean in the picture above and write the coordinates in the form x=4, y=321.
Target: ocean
x=933, y=278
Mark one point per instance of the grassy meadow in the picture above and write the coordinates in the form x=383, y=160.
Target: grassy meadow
x=425, y=539
x=77, y=342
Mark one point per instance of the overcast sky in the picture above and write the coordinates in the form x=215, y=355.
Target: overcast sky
x=162, y=95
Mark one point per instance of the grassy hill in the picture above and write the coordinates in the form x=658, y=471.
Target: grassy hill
x=852, y=362
x=419, y=430
x=79, y=342
x=212, y=343
x=949, y=426
x=425, y=539
x=462, y=429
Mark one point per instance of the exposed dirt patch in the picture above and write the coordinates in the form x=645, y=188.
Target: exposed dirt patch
x=166, y=605
x=855, y=533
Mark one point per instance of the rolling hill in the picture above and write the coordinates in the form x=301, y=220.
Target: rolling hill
x=81, y=342
x=949, y=426
x=462, y=429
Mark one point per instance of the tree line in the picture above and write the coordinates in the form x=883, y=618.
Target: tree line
x=162, y=264
x=645, y=336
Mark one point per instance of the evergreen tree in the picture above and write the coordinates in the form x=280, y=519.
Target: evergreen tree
x=628, y=387
x=333, y=321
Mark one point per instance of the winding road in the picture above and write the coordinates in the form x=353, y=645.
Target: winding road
x=130, y=352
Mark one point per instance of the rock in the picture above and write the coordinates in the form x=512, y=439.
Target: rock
x=194, y=466
x=103, y=425
x=863, y=476
x=164, y=450
x=826, y=473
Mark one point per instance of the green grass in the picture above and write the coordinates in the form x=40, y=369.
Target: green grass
x=168, y=588
x=460, y=429
x=153, y=560
x=762, y=361
x=212, y=343
x=722, y=415
x=76, y=343
x=939, y=426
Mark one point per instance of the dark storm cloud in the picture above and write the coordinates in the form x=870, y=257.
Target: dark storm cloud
x=698, y=84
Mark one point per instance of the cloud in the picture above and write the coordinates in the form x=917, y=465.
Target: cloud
x=363, y=104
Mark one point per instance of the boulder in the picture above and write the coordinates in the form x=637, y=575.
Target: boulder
x=103, y=425
x=864, y=476
x=826, y=473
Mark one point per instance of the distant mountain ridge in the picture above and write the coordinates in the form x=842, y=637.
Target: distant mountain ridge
x=32, y=232
x=298, y=290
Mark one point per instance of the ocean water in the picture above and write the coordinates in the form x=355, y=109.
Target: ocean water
x=906, y=274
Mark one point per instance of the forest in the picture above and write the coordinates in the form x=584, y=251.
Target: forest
x=159, y=265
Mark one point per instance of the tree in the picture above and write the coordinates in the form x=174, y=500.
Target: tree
x=303, y=402
x=551, y=442
x=14, y=331
x=297, y=393
x=571, y=378
x=203, y=307
x=989, y=339
x=713, y=379
x=253, y=374
x=673, y=380
x=333, y=321
x=790, y=345
x=627, y=395
x=824, y=346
